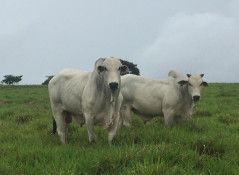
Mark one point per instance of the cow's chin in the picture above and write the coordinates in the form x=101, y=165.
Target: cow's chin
x=114, y=94
x=195, y=101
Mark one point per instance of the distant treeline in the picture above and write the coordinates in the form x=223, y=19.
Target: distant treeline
x=11, y=79
x=133, y=69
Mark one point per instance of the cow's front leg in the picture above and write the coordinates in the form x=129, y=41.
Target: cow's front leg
x=90, y=127
x=114, y=127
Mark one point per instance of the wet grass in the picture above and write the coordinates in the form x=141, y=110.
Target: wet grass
x=207, y=144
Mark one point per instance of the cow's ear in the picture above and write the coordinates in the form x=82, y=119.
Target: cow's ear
x=182, y=82
x=100, y=69
x=123, y=70
x=201, y=75
x=189, y=75
x=204, y=83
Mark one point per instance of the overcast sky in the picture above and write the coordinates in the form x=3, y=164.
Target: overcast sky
x=41, y=37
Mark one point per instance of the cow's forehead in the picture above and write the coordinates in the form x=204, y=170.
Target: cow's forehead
x=195, y=78
x=112, y=62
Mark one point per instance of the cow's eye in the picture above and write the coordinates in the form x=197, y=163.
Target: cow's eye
x=189, y=84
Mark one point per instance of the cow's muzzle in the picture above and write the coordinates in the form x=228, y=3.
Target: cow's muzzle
x=196, y=97
x=114, y=85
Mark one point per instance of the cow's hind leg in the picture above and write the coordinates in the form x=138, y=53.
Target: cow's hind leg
x=54, y=126
x=62, y=125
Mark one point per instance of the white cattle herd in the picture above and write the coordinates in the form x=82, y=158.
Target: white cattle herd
x=105, y=98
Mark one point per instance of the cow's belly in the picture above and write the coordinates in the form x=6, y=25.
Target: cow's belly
x=73, y=106
x=150, y=108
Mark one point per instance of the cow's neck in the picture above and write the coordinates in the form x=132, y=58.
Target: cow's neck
x=105, y=98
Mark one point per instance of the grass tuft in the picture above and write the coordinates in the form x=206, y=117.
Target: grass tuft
x=209, y=147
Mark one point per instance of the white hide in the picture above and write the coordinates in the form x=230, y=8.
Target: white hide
x=88, y=98
x=149, y=98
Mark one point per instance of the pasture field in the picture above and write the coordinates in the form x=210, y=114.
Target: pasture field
x=207, y=144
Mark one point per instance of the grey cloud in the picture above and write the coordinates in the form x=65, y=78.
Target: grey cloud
x=199, y=43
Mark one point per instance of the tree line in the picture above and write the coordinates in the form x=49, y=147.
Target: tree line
x=11, y=79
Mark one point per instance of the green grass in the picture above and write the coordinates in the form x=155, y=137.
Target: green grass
x=207, y=144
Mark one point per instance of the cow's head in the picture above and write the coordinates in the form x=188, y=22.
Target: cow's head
x=194, y=84
x=111, y=69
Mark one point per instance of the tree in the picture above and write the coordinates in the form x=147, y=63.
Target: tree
x=132, y=67
x=10, y=79
x=46, y=82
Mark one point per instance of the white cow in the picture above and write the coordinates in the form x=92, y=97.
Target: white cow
x=91, y=97
x=173, y=97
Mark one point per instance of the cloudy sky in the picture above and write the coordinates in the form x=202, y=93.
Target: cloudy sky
x=41, y=37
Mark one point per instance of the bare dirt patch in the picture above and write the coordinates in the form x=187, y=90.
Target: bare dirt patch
x=30, y=102
x=23, y=119
x=4, y=102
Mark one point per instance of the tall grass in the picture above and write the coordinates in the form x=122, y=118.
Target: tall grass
x=207, y=144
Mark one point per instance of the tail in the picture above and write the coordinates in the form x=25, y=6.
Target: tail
x=54, y=126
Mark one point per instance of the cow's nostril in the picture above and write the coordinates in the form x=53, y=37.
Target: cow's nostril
x=196, y=97
x=113, y=85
